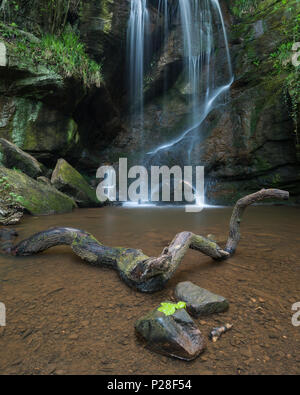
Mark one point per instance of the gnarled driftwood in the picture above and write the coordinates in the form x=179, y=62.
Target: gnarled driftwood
x=147, y=274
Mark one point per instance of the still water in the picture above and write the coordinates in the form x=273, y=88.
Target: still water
x=65, y=317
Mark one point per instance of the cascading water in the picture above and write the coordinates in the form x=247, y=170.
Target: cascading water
x=205, y=86
x=137, y=29
x=205, y=93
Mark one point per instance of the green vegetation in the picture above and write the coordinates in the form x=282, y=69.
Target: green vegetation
x=6, y=193
x=286, y=67
x=249, y=7
x=67, y=55
x=20, y=190
x=53, y=13
x=276, y=68
x=170, y=308
x=244, y=7
x=63, y=54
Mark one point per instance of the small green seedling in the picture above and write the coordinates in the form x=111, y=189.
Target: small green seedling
x=170, y=308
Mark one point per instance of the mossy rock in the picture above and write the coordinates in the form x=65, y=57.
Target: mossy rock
x=13, y=157
x=37, y=198
x=69, y=181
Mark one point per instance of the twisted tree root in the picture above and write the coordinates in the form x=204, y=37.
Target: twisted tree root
x=147, y=274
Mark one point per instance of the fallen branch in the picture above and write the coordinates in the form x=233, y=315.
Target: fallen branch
x=240, y=207
x=147, y=274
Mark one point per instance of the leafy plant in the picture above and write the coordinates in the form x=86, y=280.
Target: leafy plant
x=283, y=66
x=64, y=54
x=67, y=54
x=170, y=308
x=244, y=6
x=7, y=195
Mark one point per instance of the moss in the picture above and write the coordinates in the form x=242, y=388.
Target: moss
x=26, y=113
x=129, y=260
x=262, y=164
x=72, y=134
x=71, y=182
x=35, y=197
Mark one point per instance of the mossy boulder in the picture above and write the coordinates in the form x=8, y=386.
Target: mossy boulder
x=13, y=157
x=37, y=198
x=44, y=180
x=174, y=335
x=37, y=128
x=69, y=181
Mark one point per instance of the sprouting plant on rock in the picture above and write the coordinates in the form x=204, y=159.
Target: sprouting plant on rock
x=170, y=308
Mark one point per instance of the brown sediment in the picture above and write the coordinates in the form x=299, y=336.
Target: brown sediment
x=67, y=317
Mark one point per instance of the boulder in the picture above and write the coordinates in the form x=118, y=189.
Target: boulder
x=13, y=157
x=37, y=128
x=69, y=181
x=174, y=335
x=199, y=301
x=36, y=197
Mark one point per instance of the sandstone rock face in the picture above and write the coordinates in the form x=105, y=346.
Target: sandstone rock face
x=67, y=180
x=200, y=302
x=36, y=108
x=175, y=335
x=245, y=144
x=37, y=128
x=35, y=197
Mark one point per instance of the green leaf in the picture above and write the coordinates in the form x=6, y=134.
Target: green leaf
x=167, y=309
x=181, y=305
x=170, y=308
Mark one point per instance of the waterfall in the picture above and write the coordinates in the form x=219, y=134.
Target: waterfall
x=204, y=91
x=203, y=34
x=138, y=26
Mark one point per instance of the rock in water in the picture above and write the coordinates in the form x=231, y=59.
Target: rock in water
x=174, y=335
x=199, y=301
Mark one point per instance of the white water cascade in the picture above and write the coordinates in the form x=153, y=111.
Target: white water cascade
x=137, y=29
x=205, y=92
x=206, y=81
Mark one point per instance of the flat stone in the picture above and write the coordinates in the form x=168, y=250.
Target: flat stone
x=175, y=335
x=199, y=301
